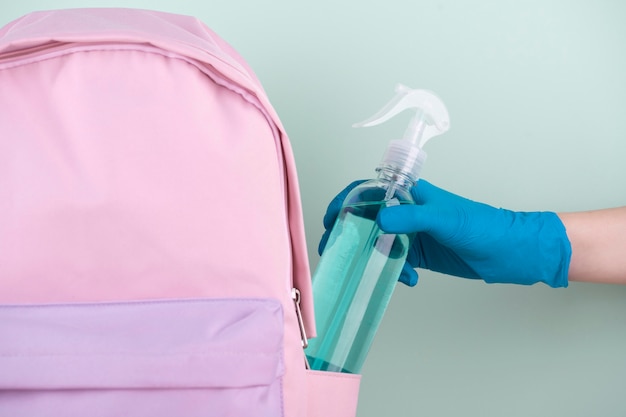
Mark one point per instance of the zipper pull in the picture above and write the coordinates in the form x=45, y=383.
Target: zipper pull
x=295, y=295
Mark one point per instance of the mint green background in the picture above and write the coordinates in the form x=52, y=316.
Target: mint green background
x=537, y=96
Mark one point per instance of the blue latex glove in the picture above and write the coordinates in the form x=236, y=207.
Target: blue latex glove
x=460, y=237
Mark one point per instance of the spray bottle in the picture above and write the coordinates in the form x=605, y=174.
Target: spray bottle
x=360, y=266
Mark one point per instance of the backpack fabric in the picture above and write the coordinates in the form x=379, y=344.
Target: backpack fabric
x=152, y=246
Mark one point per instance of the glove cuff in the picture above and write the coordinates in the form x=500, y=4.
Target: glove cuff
x=542, y=251
x=556, y=250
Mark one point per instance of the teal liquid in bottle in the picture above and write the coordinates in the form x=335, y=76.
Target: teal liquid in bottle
x=355, y=279
x=360, y=266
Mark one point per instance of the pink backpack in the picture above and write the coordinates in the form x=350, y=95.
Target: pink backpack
x=151, y=234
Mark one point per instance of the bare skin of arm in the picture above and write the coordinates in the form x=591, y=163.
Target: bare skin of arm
x=598, y=240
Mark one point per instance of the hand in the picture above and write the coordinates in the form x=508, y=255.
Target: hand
x=460, y=237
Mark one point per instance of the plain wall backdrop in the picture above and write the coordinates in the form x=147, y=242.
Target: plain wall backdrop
x=536, y=91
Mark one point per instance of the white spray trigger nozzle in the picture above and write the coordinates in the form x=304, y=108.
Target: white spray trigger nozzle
x=431, y=116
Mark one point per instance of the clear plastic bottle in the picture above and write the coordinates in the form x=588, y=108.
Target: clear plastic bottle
x=360, y=266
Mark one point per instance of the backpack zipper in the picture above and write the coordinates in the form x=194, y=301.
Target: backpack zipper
x=295, y=295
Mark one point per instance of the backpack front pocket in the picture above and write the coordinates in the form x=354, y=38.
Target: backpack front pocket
x=204, y=357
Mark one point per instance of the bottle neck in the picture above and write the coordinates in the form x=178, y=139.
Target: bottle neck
x=399, y=178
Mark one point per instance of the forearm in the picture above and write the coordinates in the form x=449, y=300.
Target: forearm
x=598, y=240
